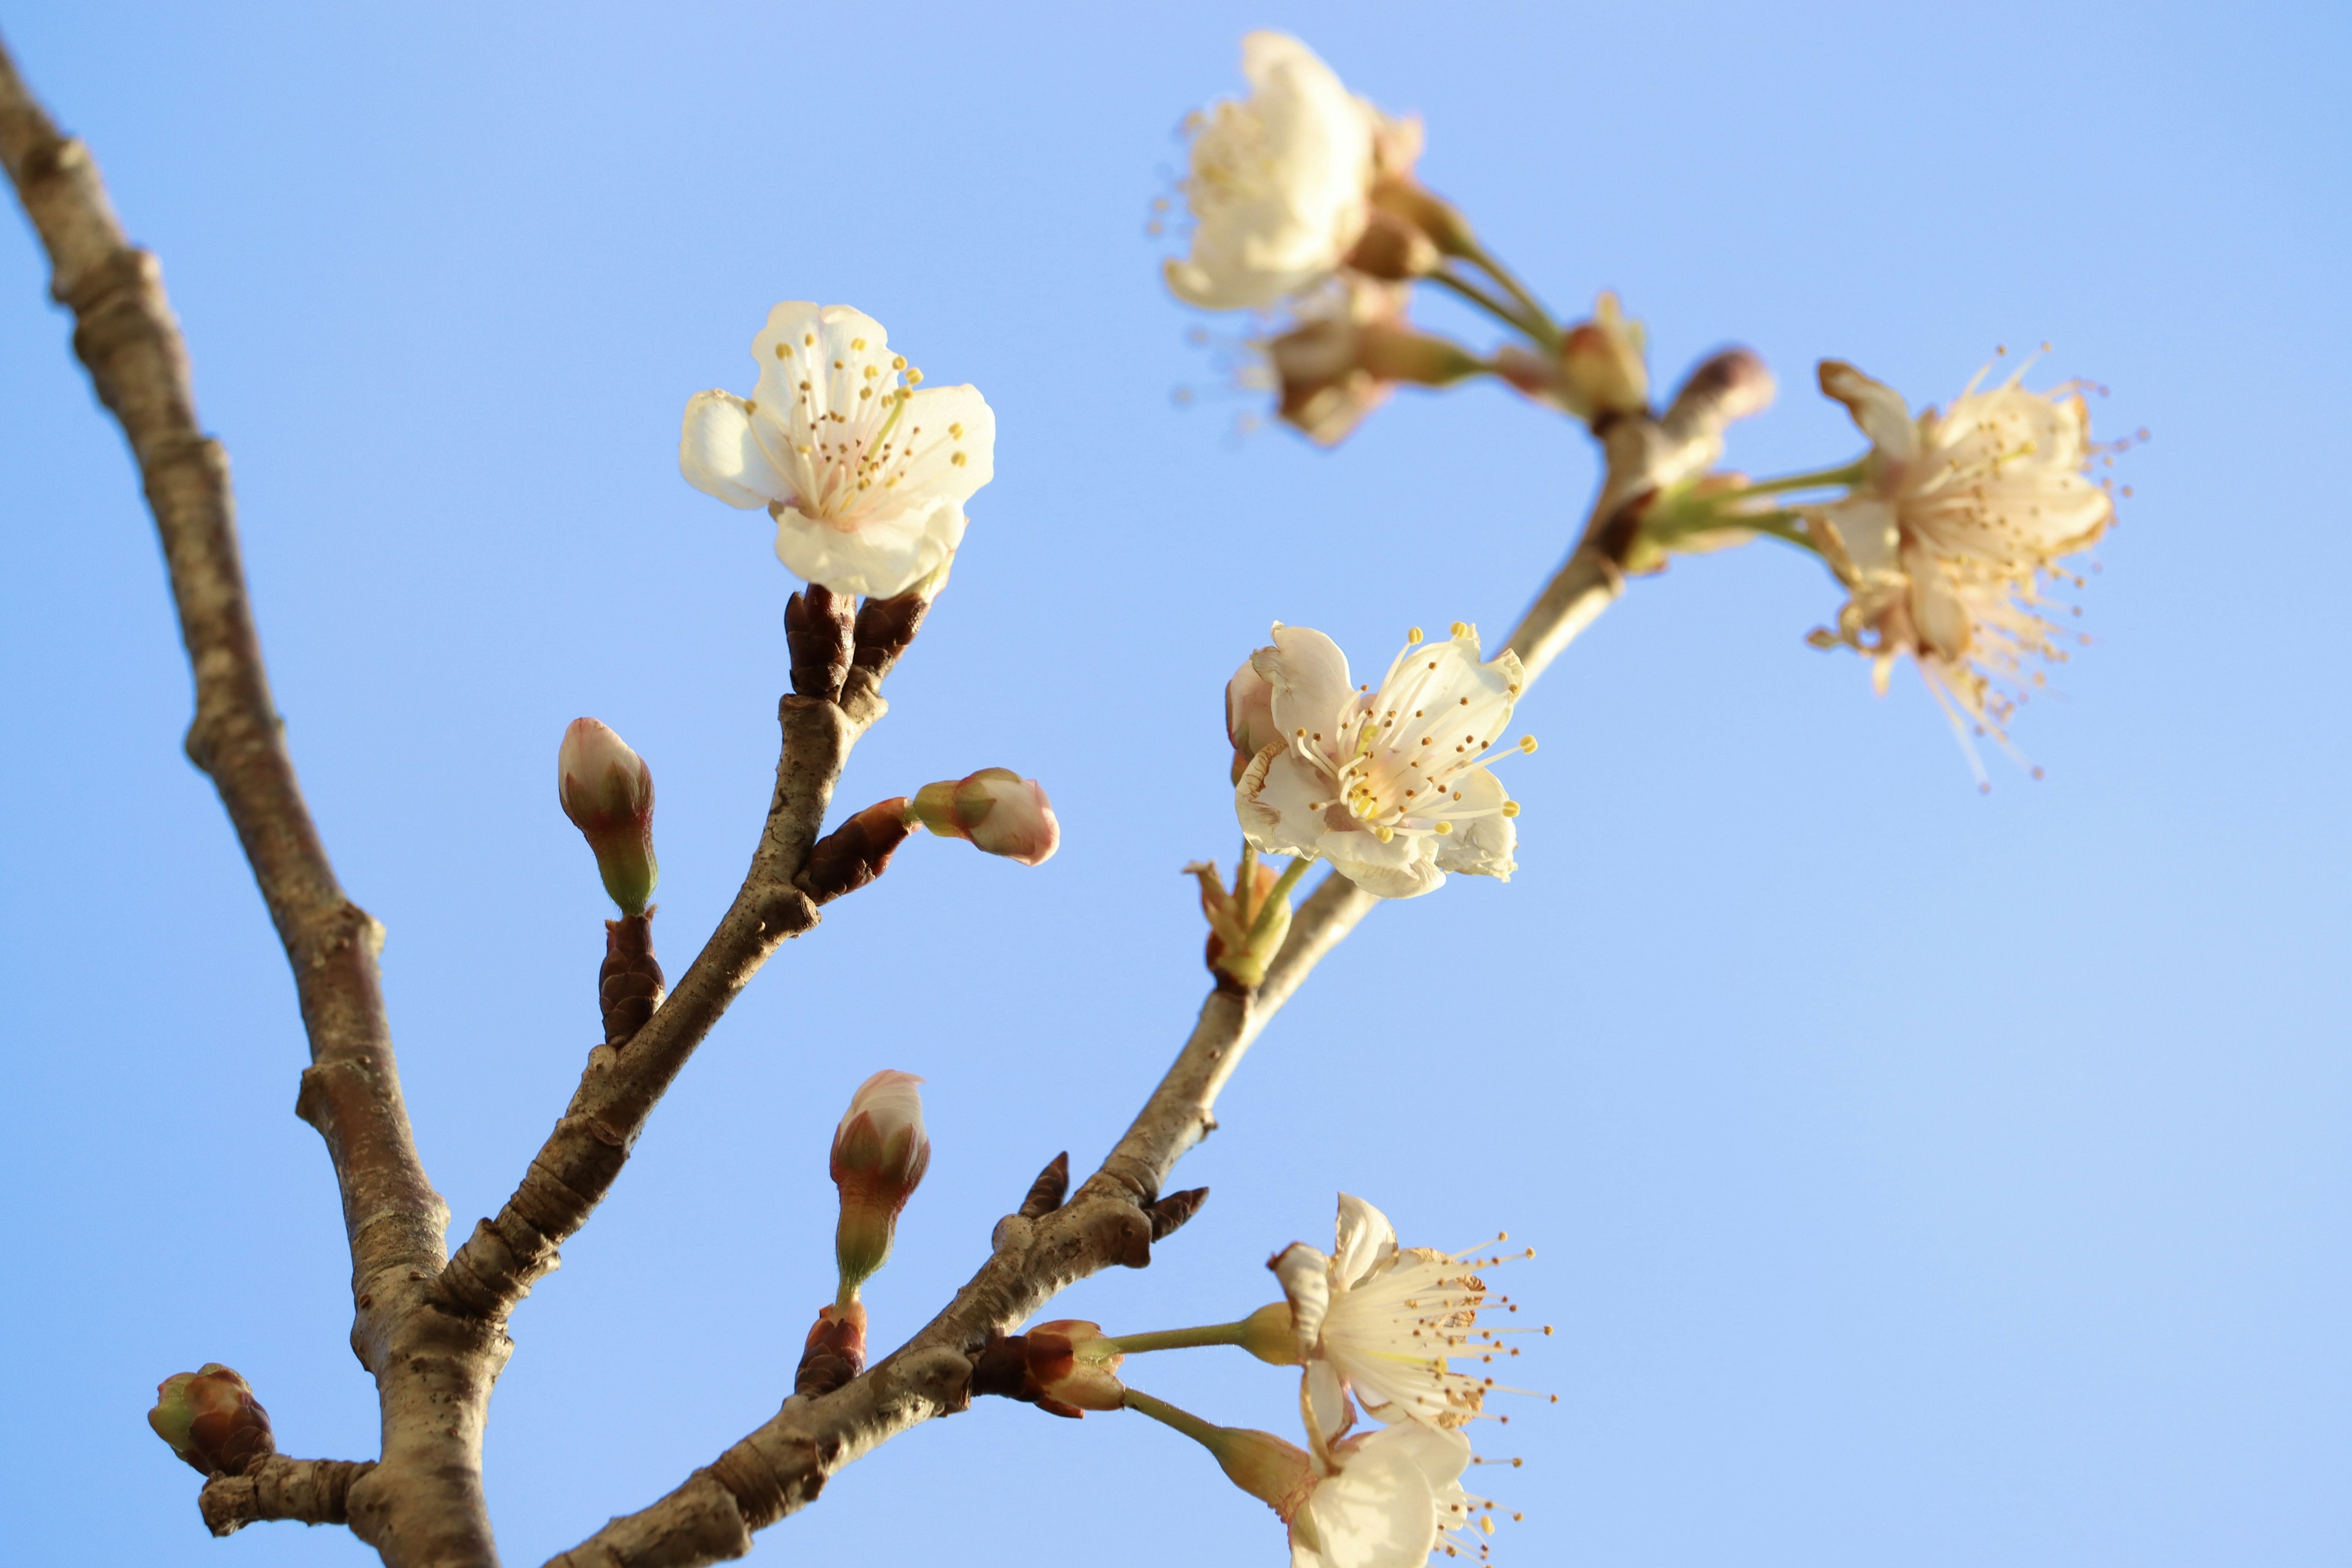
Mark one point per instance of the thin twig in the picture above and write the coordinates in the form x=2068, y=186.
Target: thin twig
x=422, y=1503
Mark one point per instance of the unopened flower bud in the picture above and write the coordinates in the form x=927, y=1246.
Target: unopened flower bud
x=608, y=793
x=1236, y=947
x=879, y=1154
x=1600, y=363
x=212, y=1420
x=1066, y=1368
x=835, y=1352
x=1249, y=714
x=997, y=809
x=1393, y=250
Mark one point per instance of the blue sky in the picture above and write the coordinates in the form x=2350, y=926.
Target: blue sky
x=1917, y=1176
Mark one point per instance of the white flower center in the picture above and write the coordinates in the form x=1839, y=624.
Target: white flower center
x=852, y=446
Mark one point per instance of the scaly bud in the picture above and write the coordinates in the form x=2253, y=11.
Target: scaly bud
x=1249, y=714
x=997, y=809
x=1601, y=368
x=212, y=1420
x=1237, y=949
x=835, y=1352
x=879, y=1154
x=1066, y=1368
x=608, y=793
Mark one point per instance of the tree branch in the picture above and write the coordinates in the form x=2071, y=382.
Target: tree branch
x=308, y=1491
x=422, y=1503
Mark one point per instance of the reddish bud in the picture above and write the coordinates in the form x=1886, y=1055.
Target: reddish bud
x=1065, y=1367
x=997, y=810
x=212, y=1420
x=879, y=1155
x=835, y=1352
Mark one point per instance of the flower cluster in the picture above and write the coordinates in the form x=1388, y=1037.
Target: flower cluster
x=1949, y=541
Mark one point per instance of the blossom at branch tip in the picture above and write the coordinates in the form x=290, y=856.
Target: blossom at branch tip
x=1382, y=1322
x=1390, y=786
x=996, y=809
x=1958, y=525
x=865, y=475
x=1280, y=183
x=607, y=791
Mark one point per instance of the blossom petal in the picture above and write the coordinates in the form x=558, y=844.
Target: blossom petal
x=1276, y=801
x=1366, y=1240
x=1306, y=1275
x=950, y=436
x=889, y=552
x=719, y=455
x=1404, y=867
x=1865, y=526
x=1876, y=407
x=1311, y=685
x=1327, y=1406
x=1380, y=1511
x=1479, y=844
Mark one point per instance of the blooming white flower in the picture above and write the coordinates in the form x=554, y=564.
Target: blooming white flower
x=1390, y=786
x=1380, y=1323
x=865, y=477
x=1385, y=1500
x=1958, y=524
x=1279, y=188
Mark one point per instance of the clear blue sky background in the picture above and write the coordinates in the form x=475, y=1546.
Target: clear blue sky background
x=1920, y=1178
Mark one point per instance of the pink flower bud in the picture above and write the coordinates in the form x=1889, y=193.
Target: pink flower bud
x=1249, y=714
x=1066, y=1368
x=879, y=1154
x=608, y=793
x=212, y=1420
x=997, y=809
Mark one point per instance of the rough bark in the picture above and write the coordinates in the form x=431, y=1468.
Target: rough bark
x=423, y=1501
x=307, y=1491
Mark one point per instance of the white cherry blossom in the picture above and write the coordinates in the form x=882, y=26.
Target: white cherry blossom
x=1948, y=544
x=1381, y=1322
x=865, y=477
x=1386, y=1500
x=1390, y=786
x=1279, y=186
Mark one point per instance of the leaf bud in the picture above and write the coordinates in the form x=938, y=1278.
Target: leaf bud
x=1237, y=949
x=211, y=1419
x=608, y=793
x=879, y=1154
x=1602, y=366
x=997, y=809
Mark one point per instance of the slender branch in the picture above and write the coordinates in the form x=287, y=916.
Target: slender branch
x=306, y=1491
x=782, y=1467
x=422, y=1503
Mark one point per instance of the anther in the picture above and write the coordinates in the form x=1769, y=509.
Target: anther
x=1413, y=638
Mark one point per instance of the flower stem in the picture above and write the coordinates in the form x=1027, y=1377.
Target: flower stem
x=1492, y=306
x=1205, y=1433
x=1179, y=1339
x=1281, y=894
x=1539, y=321
x=1818, y=478
x=1244, y=878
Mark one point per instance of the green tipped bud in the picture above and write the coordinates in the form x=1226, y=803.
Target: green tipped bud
x=879, y=1155
x=212, y=1420
x=608, y=793
x=1600, y=363
x=1238, y=949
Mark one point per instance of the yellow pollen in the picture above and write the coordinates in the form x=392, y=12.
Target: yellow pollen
x=1461, y=628
x=898, y=361
x=1528, y=744
x=956, y=431
x=808, y=339
x=1510, y=808
x=914, y=378
x=957, y=459
x=780, y=350
x=1444, y=828
x=871, y=371
x=1412, y=637
x=857, y=344
x=838, y=364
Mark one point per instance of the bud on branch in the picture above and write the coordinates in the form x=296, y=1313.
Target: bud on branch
x=212, y=1420
x=879, y=1155
x=608, y=793
x=996, y=809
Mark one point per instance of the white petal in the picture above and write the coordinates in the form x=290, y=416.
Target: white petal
x=1275, y=799
x=1306, y=1275
x=1326, y=1403
x=1311, y=685
x=1366, y=1240
x=1380, y=1511
x=1876, y=407
x=1405, y=867
x=888, y=553
x=1866, y=525
x=942, y=423
x=718, y=457
x=1480, y=845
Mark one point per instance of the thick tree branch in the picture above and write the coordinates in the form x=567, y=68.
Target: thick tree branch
x=1049, y=1245
x=423, y=1503
x=308, y=1491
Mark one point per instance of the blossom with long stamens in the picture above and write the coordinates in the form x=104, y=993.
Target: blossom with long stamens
x=1390, y=786
x=865, y=477
x=1383, y=1322
x=1956, y=529
x=1279, y=188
